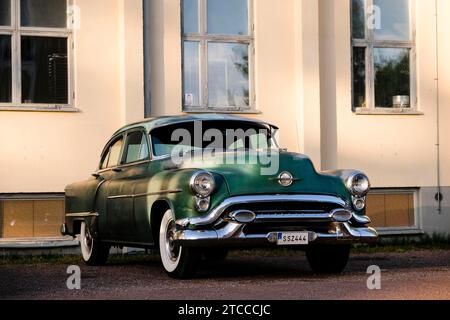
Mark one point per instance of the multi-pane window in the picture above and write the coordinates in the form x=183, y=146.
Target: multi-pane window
x=383, y=54
x=217, y=55
x=35, y=43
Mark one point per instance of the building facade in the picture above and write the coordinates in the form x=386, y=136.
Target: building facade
x=351, y=83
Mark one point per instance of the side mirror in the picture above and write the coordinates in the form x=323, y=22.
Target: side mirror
x=96, y=175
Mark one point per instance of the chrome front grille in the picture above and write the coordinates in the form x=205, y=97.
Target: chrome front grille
x=287, y=216
x=287, y=211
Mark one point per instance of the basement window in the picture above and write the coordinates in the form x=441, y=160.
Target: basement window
x=24, y=217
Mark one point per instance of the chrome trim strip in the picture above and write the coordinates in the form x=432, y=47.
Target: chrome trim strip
x=123, y=166
x=218, y=211
x=163, y=157
x=140, y=195
x=308, y=217
x=278, y=179
x=293, y=217
x=82, y=215
x=362, y=219
x=120, y=197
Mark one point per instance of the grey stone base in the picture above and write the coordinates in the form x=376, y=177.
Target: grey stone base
x=433, y=219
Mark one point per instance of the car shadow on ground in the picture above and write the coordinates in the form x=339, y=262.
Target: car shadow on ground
x=294, y=265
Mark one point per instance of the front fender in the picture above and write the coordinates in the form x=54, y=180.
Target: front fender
x=342, y=174
x=181, y=198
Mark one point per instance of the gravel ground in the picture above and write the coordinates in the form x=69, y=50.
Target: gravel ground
x=411, y=275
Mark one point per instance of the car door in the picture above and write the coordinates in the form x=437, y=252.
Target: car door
x=110, y=160
x=121, y=189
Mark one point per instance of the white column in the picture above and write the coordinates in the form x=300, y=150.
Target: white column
x=165, y=48
x=308, y=68
x=131, y=61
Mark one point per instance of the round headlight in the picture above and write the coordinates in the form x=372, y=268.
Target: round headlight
x=203, y=184
x=359, y=203
x=358, y=184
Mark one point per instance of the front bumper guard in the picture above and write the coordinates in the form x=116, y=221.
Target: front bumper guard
x=233, y=235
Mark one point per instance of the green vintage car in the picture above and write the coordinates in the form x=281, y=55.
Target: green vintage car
x=196, y=186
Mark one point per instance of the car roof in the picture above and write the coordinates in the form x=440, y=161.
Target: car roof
x=154, y=123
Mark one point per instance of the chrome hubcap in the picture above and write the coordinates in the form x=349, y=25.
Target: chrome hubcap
x=87, y=238
x=172, y=251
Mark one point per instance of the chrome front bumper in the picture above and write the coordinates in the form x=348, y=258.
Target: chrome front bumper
x=220, y=229
x=233, y=235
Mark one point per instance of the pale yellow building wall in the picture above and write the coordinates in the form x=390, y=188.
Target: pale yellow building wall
x=276, y=60
x=280, y=38
x=444, y=87
x=44, y=151
x=394, y=150
x=304, y=90
x=307, y=38
x=131, y=46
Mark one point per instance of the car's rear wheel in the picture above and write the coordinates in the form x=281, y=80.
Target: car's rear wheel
x=94, y=252
x=328, y=259
x=179, y=262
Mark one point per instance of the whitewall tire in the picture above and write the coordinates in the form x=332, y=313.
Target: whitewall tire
x=93, y=252
x=178, y=262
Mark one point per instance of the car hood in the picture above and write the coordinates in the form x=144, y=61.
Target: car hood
x=257, y=173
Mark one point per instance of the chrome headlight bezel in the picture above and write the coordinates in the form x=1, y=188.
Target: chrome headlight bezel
x=359, y=203
x=202, y=204
x=195, y=184
x=352, y=181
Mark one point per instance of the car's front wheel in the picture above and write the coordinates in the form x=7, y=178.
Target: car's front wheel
x=328, y=259
x=179, y=262
x=94, y=252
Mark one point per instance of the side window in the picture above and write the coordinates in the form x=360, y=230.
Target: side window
x=114, y=153
x=104, y=163
x=136, y=147
x=259, y=141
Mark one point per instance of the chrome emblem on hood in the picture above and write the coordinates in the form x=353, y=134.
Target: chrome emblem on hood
x=286, y=179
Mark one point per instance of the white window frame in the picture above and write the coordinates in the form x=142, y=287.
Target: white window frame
x=16, y=31
x=370, y=43
x=204, y=38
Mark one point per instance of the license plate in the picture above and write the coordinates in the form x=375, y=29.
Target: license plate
x=293, y=238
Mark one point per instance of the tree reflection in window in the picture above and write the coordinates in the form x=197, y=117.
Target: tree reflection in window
x=392, y=75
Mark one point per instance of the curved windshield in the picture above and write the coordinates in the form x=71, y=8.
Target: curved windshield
x=221, y=136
